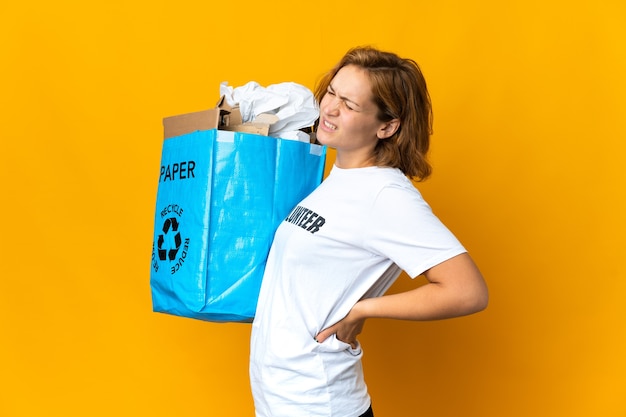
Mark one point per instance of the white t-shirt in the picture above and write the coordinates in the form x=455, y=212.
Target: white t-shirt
x=348, y=240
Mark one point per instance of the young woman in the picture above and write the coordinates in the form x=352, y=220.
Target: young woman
x=341, y=248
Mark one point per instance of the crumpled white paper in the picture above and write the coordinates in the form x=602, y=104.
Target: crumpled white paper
x=293, y=104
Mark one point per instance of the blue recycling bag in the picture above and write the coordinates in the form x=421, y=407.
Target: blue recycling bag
x=220, y=198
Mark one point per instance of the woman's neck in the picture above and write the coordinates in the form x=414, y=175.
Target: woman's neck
x=348, y=161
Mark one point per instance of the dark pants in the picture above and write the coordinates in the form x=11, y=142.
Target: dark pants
x=368, y=413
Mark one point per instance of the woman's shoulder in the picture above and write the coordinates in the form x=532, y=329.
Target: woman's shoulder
x=371, y=181
x=395, y=178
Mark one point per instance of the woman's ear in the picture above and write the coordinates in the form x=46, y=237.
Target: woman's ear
x=388, y=129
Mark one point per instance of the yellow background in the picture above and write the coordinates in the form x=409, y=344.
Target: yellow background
x=529, y=165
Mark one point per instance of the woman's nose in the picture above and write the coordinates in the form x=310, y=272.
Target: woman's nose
x=330, y=104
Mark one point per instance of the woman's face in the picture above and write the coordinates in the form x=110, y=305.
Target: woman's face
x=348, y=118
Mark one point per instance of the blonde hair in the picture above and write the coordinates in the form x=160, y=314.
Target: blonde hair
x=399, y=90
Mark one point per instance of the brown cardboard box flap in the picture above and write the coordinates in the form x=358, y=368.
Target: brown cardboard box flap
x=190, y=122
x=223, y=116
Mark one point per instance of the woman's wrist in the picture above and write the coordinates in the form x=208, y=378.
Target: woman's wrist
x=363, y=309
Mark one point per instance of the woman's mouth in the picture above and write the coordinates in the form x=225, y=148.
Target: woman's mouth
x=329, y=125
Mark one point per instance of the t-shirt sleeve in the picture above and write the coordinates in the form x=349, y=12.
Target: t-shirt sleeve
x=404, y=229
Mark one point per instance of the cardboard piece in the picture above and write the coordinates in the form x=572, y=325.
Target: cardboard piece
x=223, y=117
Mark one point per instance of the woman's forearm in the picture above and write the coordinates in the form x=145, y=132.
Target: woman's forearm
x=455, y=288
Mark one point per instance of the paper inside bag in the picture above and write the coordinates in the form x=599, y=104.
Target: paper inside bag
x=294, y=105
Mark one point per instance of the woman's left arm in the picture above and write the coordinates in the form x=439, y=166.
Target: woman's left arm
x=455, y=288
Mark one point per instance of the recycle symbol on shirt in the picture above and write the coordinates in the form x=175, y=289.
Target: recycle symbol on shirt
x=169, y=242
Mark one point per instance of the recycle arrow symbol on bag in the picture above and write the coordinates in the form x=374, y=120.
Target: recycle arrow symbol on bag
x=170, y=225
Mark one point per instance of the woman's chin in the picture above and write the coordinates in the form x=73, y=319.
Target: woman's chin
x=322, y=137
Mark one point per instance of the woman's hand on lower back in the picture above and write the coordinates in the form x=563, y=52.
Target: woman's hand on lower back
x=346, y=330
